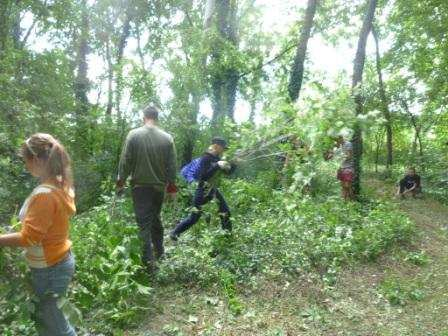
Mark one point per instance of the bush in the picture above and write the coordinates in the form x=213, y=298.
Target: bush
x=274, y=234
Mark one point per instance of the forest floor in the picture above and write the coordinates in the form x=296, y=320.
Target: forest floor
x=402, y=293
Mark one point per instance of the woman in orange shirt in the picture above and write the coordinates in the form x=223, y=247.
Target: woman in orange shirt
x=45, y=218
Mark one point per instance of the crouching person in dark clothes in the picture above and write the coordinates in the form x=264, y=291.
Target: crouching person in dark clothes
x=149, y=158
x=410, y=184
x=205, y=171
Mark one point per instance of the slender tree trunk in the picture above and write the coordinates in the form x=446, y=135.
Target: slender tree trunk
x=253, y=107
x=358, y=69
x=296, y=78
x=187, y=154
x=139, y=47
x=120, y=52
x=16, y=29
x=420, y=146
x=225, y=82
x=5, y=7
x=379, y=141
x=209, y=10
x=385, y=103
x=81, y=85
x=81, y=80
x=110, y=78
x=417, y=134
x=418, y=141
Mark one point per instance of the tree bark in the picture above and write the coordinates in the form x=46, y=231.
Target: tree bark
x=358, y=69
x=385, y=103
x=16, y=29
x=81, y=80
x=139, y=46
x=209, y=10
x=187, y=154
x=5, y=21
x=110, y=78
x=417, y=135
x=224, y=82
x=296, y=77
x=379, y=141
x=126, y=31
x=253, y=107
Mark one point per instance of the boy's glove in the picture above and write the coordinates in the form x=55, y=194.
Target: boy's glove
x=224, y=165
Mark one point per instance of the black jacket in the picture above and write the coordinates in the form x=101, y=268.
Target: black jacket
x=209, y=166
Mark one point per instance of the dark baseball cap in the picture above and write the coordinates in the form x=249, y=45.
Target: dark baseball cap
x=220, y=141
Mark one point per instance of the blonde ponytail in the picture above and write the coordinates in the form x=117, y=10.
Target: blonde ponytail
x=57, y=163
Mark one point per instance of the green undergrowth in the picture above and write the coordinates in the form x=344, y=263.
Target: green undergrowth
x=275, y=233
x=399, y=292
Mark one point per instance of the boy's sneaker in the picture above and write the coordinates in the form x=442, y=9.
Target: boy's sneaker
x=173, y=236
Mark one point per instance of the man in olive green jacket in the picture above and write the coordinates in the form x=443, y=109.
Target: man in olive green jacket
x=149, y=158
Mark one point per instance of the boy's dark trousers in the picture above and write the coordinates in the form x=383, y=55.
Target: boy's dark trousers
x=147, y=207
x=203, y=196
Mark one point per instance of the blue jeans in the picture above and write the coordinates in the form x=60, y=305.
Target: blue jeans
x=49, y=284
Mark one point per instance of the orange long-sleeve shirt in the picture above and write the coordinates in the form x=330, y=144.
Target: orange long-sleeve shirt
x=45, y=219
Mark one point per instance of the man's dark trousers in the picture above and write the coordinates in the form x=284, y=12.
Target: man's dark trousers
x=147, y=207
x=201, y=197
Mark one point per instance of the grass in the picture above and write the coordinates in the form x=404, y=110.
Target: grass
x=361, y=302
x=293, y=267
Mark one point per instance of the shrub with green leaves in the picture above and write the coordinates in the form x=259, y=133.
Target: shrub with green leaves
x=399, y=293
x=275, y=234
x=15, y=315
x=284, y=233
x=417, y=258
x=110, y=288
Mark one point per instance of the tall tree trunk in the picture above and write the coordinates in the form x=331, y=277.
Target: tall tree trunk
x=126, y=31
x=296, y=77
x=139, y=46
x=6, y=10
x=379, y=142
x=385, y=103
x=417, y=135
x=358, y=69
x=4, y=27
x=420, y=146
x=209, y=10
x=224, y=82
x=16, y=30
x=253, y=107
x=110, y=78
x=187, y=154
x=81, y=80
x=81, y=85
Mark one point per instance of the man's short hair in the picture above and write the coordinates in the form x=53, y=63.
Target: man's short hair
x=151, y=112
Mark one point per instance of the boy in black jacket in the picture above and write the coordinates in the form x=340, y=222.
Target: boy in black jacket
x=409, y=184
x=210, y=165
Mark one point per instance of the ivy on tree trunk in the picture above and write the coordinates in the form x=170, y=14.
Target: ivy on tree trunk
x=358, y=69
x=225, y=76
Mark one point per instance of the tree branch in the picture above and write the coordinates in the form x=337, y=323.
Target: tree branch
x=277, y=57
